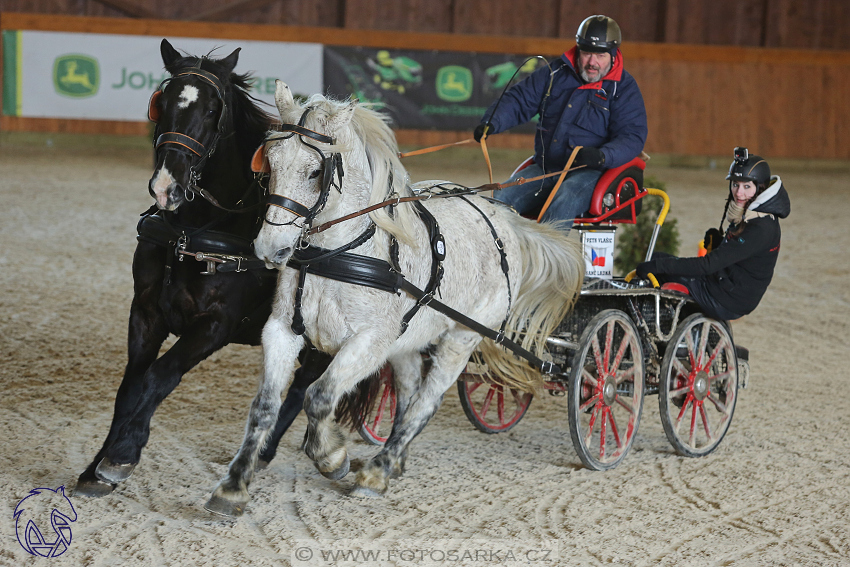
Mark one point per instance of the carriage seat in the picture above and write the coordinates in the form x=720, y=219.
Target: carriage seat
x=673, y=286
x=617, y=195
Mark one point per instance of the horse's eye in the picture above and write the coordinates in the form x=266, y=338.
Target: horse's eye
x=315, y=174
x=211, y=113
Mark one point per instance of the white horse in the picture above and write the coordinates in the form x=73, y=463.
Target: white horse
x=360, y=325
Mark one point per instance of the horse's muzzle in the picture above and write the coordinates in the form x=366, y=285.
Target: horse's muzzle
x=280, y=257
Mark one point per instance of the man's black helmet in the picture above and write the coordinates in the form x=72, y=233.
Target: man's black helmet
x=599, y=34
x=749, y=168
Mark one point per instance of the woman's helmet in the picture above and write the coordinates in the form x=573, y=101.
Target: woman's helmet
x=599, y=34
x=749, y=168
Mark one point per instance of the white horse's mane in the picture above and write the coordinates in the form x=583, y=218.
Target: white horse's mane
x=368, y=128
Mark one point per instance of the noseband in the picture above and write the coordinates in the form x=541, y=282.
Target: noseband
x=179, y=142
x=332, y=172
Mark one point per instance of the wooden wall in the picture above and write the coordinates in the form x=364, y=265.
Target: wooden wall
x=798, y=24
x=701, y=100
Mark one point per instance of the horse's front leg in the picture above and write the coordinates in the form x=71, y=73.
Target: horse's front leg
x=206, y=335
x=313, y=364
x=146, y=333
x=280, y=349
x=360, y=357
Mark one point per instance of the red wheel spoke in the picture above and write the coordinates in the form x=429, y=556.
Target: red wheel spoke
x=705, y=424
x=720, y=345
x=597, y=356
x=602, y=433
x=703, y=341
x=381, y=406
x=628, y=408
x=626, y=374
x=688, y=399
x=500, y=405
x=487, y=400
x=589, y=377
x=614, y=430
x=718, y=376
x=589, y=402
x=609, y=339
x=680, y=391
x=589, y=434
x=618, y=358
x=693, y=423
x=680, y=368
x=721, y=407
x=472, y=386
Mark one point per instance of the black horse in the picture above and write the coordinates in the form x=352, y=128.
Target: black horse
x=210, y=209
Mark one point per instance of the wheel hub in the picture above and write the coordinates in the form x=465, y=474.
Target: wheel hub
x=701, y=385
x=609, y=391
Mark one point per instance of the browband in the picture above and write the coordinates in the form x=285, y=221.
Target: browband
x=301, y=131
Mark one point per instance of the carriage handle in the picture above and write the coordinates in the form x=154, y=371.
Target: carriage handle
x=662, y=216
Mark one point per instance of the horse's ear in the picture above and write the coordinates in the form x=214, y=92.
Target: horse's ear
x=282, y=96
x=259, y=163
x=229, y=62
x=169, y=54
x=342, y=117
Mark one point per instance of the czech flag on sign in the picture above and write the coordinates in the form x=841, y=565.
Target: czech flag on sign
x=597, y=258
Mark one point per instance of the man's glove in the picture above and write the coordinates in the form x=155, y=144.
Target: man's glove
x=590, y=157
x=712, y=239
x=480, y=130
x=645, y=268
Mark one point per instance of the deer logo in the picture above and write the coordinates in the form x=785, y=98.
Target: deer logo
x=76, y=76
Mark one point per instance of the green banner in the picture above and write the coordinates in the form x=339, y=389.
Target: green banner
x=11, y=73
x=442, y=90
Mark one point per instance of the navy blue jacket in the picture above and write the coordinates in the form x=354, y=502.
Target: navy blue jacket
x=609, y=114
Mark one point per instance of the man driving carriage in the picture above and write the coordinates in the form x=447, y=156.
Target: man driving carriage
x=585, y=98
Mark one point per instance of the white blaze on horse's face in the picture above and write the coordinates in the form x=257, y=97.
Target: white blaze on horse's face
x=159, y=186
x=188, y=96
x=296, y=173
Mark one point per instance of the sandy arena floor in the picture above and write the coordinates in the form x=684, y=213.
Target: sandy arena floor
x=776, y=492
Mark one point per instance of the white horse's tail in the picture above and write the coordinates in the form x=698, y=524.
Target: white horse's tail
x=552, y=275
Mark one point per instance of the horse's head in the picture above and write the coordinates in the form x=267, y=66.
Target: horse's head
x=190, y=110
x=306, y=167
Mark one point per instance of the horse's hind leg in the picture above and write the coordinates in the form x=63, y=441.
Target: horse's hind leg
x=360, y=357
x=313, y=365
x=280, y=348
x=448, y=362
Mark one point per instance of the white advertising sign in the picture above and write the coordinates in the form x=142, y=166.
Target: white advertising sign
x=598, y=247
x=111, y=77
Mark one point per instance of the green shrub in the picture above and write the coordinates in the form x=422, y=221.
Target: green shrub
x=633, y=239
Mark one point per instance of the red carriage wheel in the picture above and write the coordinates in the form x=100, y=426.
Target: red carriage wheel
x=491, y=407
x=605, y=394
x=698, y=385
x=376, y=427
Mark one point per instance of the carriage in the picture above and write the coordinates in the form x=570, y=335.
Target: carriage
x=623, y=340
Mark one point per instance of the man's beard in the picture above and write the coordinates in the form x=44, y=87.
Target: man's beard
x=603, y=72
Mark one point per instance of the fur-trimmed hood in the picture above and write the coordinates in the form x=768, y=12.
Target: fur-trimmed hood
x=773, y=201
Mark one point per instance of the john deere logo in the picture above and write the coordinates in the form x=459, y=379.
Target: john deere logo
x=454, y=83
x=76, y=76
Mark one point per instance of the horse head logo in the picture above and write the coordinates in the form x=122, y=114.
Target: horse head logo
x=34, y=510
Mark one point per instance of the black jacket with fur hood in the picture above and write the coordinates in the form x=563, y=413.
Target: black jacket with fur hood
x=738, y=272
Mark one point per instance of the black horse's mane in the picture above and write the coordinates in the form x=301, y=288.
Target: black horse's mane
x=250, y=121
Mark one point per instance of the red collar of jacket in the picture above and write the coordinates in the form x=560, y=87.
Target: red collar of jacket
x=615, y=74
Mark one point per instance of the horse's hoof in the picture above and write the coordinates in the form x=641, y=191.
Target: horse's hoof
x=107, y=471
x=224, y=507
x=261, y=464
x=338, y=472
x=364, y=492
x=93, y=488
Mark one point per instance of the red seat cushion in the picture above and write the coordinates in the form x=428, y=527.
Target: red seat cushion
x=673, y=286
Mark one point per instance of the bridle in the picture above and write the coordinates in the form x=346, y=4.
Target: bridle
x=332, y=173
x=179, y=142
